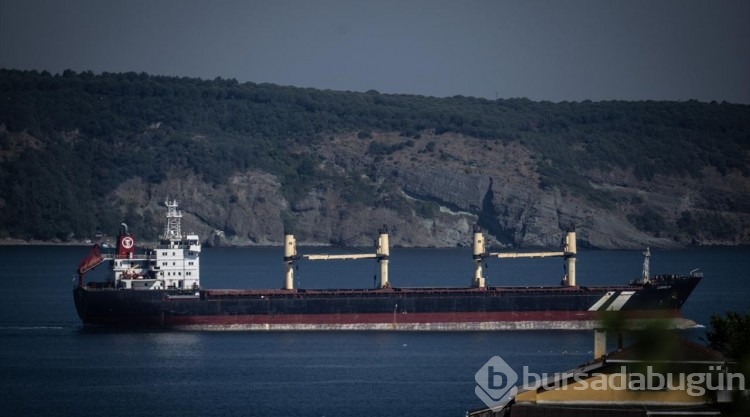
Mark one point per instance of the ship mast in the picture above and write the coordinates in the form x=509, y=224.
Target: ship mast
x=568, y=253
x=172, y=229
x=646, y=274
x=381, y=254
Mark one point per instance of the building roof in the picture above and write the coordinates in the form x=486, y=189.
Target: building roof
x=668, y=350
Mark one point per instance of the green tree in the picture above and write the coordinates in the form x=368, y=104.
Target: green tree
x=730, y=335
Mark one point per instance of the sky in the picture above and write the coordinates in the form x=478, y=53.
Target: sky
x=555, y=50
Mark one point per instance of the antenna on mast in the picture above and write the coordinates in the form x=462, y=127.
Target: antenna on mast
x=646, y=275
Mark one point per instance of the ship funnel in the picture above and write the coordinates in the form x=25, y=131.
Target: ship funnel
x=125, y=244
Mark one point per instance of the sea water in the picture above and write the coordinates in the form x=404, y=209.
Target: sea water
x=51, y=365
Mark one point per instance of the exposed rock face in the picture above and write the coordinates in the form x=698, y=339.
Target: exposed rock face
x=243, y=212
x=430, y=192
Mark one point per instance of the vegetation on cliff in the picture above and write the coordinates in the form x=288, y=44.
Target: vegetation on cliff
x=68, y=140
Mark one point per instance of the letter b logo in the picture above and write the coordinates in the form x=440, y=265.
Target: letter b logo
x=495, y=380
x=495, y=383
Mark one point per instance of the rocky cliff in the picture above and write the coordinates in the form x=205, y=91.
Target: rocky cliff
x=431, y=191
x=82, y=152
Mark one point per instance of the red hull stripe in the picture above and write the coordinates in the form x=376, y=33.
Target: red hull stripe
x=409, y=318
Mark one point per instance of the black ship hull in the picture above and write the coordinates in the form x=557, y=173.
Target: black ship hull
x=386, y=309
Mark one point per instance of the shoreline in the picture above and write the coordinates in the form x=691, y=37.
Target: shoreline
x=33, y=242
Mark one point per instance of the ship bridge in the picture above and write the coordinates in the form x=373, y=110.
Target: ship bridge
x=172, y=264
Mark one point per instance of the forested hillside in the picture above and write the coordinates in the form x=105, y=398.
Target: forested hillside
x=81, y=153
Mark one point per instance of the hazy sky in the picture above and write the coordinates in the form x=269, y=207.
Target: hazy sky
x=545, y=50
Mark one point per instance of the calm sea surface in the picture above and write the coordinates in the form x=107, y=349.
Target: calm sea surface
x=50, y=365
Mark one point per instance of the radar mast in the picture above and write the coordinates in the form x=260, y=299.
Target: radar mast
x=172, y=229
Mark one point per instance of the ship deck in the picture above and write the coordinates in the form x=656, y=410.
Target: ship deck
x=406, y=291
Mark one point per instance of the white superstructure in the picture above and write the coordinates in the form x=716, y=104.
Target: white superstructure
x=173, y=263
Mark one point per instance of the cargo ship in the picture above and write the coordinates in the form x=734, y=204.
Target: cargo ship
x=159, y=287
